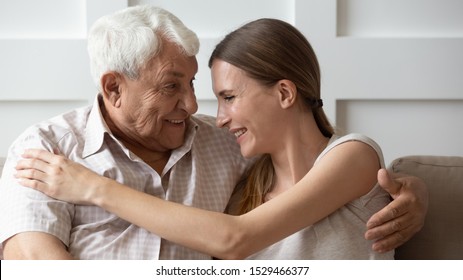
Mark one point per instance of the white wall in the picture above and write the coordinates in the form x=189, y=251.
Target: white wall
x=391, y=69
x=43, y=60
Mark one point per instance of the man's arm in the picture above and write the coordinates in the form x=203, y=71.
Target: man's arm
x=396, y=223
x=35, y=246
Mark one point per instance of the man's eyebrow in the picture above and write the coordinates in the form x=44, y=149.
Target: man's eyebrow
x=175, y=74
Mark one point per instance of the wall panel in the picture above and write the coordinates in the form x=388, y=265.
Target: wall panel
x=406, y=127
x=400, y=18
x=42, y=19
x=378, y=66
x=44, y=64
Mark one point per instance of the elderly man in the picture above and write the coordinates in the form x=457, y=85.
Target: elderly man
x=140, y=131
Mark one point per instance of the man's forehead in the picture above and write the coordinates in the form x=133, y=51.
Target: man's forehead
x=177, y=67
x=176, y=74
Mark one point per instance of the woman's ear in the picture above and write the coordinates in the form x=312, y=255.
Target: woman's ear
x=110, y=84
x=287, y=91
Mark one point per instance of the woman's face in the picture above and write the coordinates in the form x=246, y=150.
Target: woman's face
x=247, y=108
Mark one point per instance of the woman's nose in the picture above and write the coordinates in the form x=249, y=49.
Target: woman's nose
x=222, y=118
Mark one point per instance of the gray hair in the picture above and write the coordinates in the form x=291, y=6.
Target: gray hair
x=126, y=40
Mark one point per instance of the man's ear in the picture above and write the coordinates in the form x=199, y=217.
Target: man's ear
x=110, y=84
x=287, y=92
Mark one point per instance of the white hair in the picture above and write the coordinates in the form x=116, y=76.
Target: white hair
x=126, y=40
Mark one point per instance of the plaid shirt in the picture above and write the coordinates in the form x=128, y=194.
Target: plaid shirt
x=202, y=173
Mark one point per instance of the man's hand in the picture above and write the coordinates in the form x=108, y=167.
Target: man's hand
x=396, y=223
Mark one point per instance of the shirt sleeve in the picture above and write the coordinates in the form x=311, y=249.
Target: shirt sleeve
x=23, y=209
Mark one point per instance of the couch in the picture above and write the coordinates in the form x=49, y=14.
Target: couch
x=442, y=233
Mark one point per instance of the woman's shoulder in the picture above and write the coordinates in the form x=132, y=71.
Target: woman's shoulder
x=337, y=140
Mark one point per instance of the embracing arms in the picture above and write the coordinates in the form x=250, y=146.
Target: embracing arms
x=217, y=234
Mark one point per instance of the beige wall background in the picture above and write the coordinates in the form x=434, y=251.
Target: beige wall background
x=391, y=69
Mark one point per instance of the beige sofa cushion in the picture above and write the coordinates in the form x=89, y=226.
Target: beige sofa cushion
x=442, y=234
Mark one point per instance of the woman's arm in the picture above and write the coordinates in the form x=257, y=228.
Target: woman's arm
x=345, y=173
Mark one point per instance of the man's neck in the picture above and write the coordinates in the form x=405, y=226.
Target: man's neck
x=156, y=159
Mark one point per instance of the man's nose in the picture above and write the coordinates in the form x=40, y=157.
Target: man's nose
x=188, y=102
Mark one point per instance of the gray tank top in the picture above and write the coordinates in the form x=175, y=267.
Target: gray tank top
x=341, y=234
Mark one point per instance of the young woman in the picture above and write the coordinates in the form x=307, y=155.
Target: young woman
x=309, y=188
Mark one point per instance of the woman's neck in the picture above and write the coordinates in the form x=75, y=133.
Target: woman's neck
x=299, y=150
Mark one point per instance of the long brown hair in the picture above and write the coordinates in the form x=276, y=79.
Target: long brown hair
x=269, y=50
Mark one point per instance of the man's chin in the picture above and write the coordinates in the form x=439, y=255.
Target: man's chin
x=173, y=144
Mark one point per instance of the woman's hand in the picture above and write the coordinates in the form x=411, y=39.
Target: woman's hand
x=396, y=223
x=57, y=176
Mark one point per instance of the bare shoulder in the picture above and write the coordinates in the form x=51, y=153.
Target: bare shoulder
x=354, y=152
x=352, y=165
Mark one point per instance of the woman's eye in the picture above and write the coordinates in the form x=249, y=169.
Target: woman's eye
x=228, y=98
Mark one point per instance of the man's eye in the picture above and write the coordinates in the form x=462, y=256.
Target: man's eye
x=170, y=86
